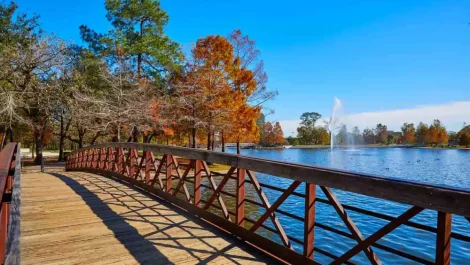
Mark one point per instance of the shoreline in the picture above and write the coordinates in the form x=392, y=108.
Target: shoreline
x=358, y=146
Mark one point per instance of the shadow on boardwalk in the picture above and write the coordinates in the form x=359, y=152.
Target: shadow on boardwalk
x=172, y=240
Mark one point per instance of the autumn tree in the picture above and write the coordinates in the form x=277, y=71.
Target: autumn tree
x=279, y=134
x=381, y=133
x=247, y=129
x=368, y=136
x=409, y=131
x=248, y=73
x=246, y=76
x=323, y=136
x=431, y=135
x=463, y=136
x=213, y=58
x=273, y=134
x=436, y=134
x=442, y=136
x=421, y=133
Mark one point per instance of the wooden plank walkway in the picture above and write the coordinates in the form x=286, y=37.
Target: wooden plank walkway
x=82, y=218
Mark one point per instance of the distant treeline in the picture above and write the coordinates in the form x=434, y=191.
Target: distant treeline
x=308, y=133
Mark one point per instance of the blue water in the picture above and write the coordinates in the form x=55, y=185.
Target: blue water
x=434, y=166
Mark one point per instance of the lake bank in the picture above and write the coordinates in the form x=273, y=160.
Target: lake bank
x=357, y=146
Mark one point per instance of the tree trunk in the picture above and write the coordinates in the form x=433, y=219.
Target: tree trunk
x=38, y=142
x=238, y=147
x=209, y=140
x=213, y=140
x=139, y=56
x=61, y=148
x=61, y=139
x=95, y=138
x=223, y=141
x=145, y=137
x=139, y=65
x=149, y=140
x=134, y=135
x=194, y=137
x=80, y=141
x=12, y=135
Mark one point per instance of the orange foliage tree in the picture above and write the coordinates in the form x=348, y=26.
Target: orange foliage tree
x=215, y=94
x=243, y=126
x=436, y=134
x=272, y=134
x=213, y=58
x=408, y=130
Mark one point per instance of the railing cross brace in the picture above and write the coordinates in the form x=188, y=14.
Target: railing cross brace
x=214, y=187
x=219, y=188
x=410, y=213
x=350, y=224
x=270, y=209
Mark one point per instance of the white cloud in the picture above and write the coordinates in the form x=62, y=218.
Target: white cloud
x=452, y=115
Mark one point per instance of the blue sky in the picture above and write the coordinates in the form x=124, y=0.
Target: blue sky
x=378, y=57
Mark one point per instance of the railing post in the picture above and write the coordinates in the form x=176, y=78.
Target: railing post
x=106, y=158
x=240, y=198
x=148, y=163
x=97, y=157
x=86, y=158
x=120, y=160
x=309, y=222
x=132, y=159
x=111, y=160
x=169, y=166
x=197, y=182
x=444, y=227
x=92, y=158
x=89, y=156
x=102, y=158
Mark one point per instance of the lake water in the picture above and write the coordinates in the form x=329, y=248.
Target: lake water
x=435, y=166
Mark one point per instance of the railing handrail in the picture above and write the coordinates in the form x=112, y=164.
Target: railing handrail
x=440, y=198
x=10, y=182
x=6, y=156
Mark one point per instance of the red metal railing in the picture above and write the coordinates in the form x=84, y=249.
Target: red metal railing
x=178, y=175
x=10, y=170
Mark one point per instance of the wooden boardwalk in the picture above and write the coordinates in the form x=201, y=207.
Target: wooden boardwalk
x=82, y=218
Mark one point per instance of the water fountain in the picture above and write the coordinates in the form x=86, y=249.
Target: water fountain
x=334, y=121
